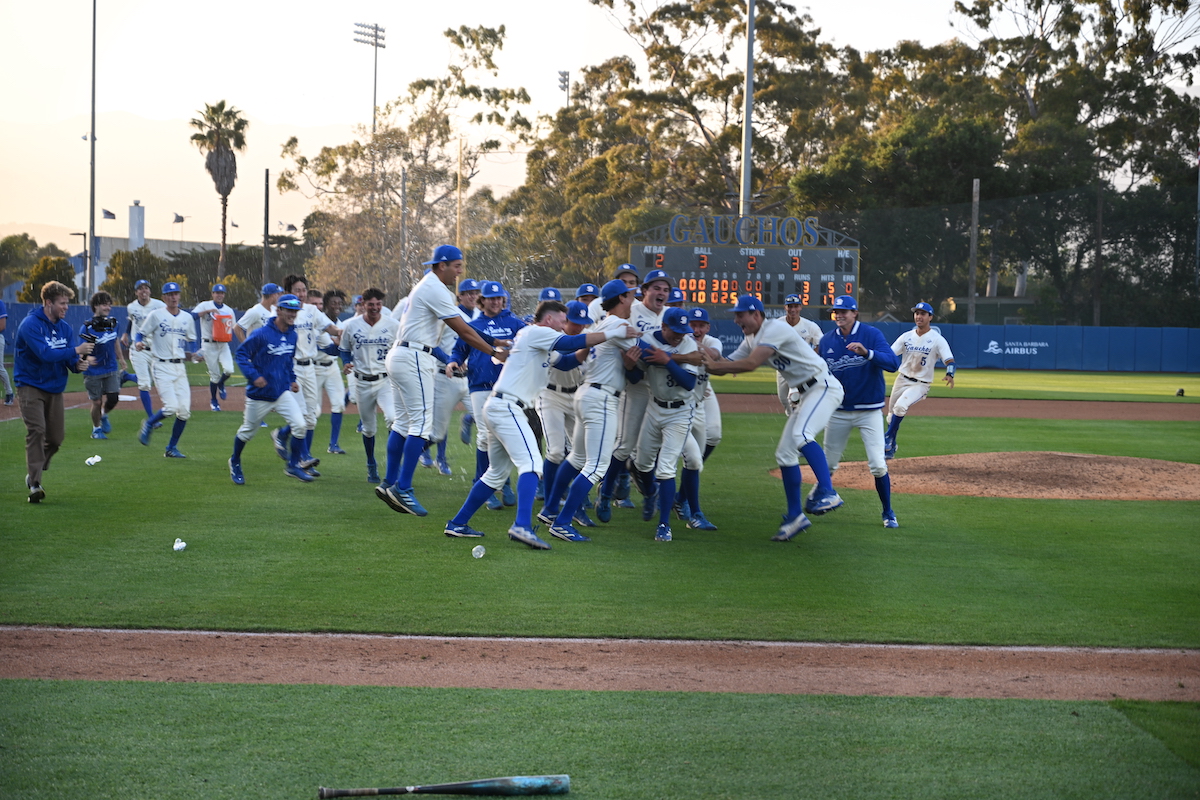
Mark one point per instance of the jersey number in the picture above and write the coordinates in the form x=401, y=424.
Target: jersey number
x=781, y=362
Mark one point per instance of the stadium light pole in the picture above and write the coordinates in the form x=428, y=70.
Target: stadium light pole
x=372, y=35
x=745, y=206
x=90, y=250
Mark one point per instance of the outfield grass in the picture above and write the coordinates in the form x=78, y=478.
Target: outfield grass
x=998, y=384
x=280, y=555
x=232, y=741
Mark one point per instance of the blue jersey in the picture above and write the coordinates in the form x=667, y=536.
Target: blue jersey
x=43, y=352
x=268, y=353
x=482, y=372
x=105, y=351
x=861, y=376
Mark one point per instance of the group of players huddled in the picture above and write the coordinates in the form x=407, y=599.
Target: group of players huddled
x=603, y=391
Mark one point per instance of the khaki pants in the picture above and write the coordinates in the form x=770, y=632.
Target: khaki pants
x=45, y=427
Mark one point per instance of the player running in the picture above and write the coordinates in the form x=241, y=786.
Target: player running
x=919, y=350
x=216, y=331
x=365, y=342
x=165, y=333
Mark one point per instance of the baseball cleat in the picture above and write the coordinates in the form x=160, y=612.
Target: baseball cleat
x=407, y=501
x=527, y=537
x=8, y=399
x=644, y=482
x=312, y=471
x=105, y=425
x=649, y=506
x=98, y=433
x=889, y=447
x=157, y=425
x=567, y=533
x=144, y=433
x=443, y=466
x=493, y=503
x=889, y=520
x=663, y=534
x=172, y=452
x=582, y=519
x=604, y=509
x=791, y=528
x=683, y=509
x=308, y=462
x=214, y=405
x=540, y=494
x=545, y=517
x=222, y=393
x=621, y=490
x=36, y=493
x=819, y=504
x=510, y=499
x=626, y=503
x=297, y=473
x=700, y=522
x=464, y=428
x=359, y=429
x=235, y=473
x=280, y=448
x=462, y=531
x=381, y=491
x=335, y=450
x=372, y=473
x=426, y=460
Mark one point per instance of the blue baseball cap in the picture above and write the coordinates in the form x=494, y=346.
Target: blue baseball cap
x=749, y=302
x=443, y=253
x=928, y=309
x=170, y=286
x=656, y=275
x=792, y=300
x=626, y=268
x=676, y=296
x=141, y=283
x=290, y=302
x=271, y=288
x=698, y=315
x=492, y=289
x=614, y=288
x=586, y=290
x=577, y=312
x=468, y=285
x=357, y=299
x=677, y=320
x=550, y=293
x=219, y=287
x=845, y=302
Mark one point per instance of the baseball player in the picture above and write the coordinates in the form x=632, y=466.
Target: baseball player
x=101, y=380
x=8, y=387
x=858, y=355
x=308, y=324
x=809, y=331
x=165, y=334
x=216, y=331
x=511, y=443
x=329, y=371
x=919, y=350
x=556, y=402
x=267, y=359
x=450, y=388
x=713, y=430
x=646, y=316
x=411, y=366
x=482, y=370
x=814, y=395
x=259, y=313
x=675, y=299
x=470, y=287
x=597, y=408
x=700, y=441
x=629, y=275
x=668, y=421
x=365, y=342
x=140, y=360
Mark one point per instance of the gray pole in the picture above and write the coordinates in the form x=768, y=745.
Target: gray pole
x=89, y=277
x=1198, y=220
x=403, y=223
x=744, y=207
x=974, y=251
x=266, y=225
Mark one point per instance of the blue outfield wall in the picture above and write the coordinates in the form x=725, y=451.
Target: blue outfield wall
x=1046, y=347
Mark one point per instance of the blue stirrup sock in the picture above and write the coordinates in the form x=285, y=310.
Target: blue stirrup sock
x=815, y=457
x=395, y=455
x=580, y=487
x=549, y=471
x=481, y=463
x=666, y=500
x=441, y=449
x=527, y=483
x=563, y=479
x=413, y=447
x=285, y=432
x=157, y=417
x=335, y=427
x=145, y=395
x=791, y=490
x=883, y=487
x=297, y=452
x=308, y=437
x=691, y=489
x=616, y=467
x=478, y=495
x=212, y=390
x=369, y=447
x=238, y=447
x=177, y=431
x=894, y=426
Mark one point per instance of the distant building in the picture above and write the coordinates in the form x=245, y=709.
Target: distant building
x=107, y=245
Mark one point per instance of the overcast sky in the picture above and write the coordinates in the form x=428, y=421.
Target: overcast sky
x=292, y=68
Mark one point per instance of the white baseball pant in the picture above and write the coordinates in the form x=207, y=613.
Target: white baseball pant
x=511, y=443
x=905, y=394
x=557, y=410
x=412, y=374
x=329, y=381
x=287, y=405
x=218, y=359
x=447, y=393
x=663, y=435
x=173, y=390
x=693, y=445
x=597, y=413
x=807, y=420
x=633, y=414
x=310, y=394
x=712, y=421
x=372, y=395
x=870, y=427
x=141, y=362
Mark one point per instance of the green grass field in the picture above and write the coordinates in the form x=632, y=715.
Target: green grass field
x=279, y=555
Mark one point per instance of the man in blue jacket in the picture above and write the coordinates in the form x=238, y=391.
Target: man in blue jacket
x=266, y=359
x=44, y=350
x=858, y=355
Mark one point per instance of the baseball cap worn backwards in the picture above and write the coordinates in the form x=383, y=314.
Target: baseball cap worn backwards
x=443, y=253
x=677, y=320
x=290, y=302
x=928, y=309
x=845, y=302
x=577, y=312
x=749, y=302
x=614, y=288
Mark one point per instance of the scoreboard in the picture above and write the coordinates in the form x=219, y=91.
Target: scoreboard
x=715, y=275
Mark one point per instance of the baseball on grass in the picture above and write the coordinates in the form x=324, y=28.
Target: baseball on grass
x=179, y=544
x=478, y=551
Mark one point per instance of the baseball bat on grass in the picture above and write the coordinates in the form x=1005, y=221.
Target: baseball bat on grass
x=513, y=786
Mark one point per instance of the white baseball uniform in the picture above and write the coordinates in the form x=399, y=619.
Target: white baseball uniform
x=669, y=415
x=817, y=393
x=447, y=392
x=597, y=403
x=704, y=432
x=918, y=355
x=140, y=360
x=811, y=333
x=411, y=364
x=254, y=317
x=310, y=321
x=637, y=396
x=329, y=375
x=217, y=356
x=556, y=407
x=166, y=336
x=368, y=346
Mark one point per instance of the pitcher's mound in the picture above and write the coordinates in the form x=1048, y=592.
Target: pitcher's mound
x=1034, y=475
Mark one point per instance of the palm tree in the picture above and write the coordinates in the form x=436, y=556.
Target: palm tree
x=222, y=131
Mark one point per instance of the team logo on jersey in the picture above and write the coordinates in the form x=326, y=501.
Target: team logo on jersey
x=282, y=349
x=56, y=342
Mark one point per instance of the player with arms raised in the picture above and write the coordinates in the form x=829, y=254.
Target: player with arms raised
x=919, y=350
